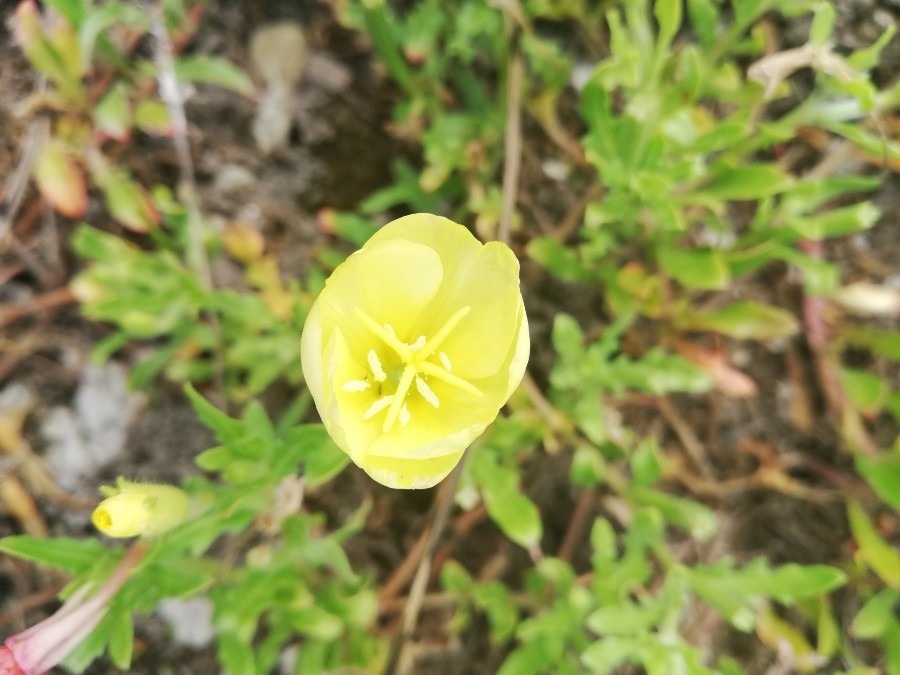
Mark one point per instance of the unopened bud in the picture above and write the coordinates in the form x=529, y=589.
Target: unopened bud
x=140, y=509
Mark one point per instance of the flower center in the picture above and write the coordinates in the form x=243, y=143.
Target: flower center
x=416, y=363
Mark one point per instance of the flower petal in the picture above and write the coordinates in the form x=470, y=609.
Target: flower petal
x=485, y=278
x=411, y=473
x=392, y=282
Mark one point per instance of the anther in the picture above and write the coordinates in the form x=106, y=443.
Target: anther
x=375, y=365
x=355, y=385
x=427, y=393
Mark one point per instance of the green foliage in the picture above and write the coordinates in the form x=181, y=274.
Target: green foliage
x=690, y=193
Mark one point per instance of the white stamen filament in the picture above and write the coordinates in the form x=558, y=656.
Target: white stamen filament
x=375, y=365
x=426, y=392
x=378, y=406
x=445, y=360
x=355, y=385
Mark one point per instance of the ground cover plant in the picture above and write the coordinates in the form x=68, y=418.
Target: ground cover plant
x=700, y=470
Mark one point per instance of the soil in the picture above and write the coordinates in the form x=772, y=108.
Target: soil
x=338, y=151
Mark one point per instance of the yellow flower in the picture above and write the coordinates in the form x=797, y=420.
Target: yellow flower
x=414, y=345
x=133, y=509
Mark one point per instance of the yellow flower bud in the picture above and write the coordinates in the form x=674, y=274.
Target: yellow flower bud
x=414, y=345
x=133, y=509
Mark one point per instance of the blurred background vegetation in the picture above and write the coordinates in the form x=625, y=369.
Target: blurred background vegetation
x=701, y=471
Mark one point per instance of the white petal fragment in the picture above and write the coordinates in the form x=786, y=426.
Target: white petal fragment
x=445, y=361
x=405, y=417
x=426, y=392
x=375, y=365
x=355, y=385
x=378, y=406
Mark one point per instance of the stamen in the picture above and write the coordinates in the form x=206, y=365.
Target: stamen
x=378, y=406
x=435, y=342
x=405, y=417
x=375, y=365
x=426, y=392
x=387, y=337
x=399, y=397
x=418, y=344
x=441, y=374
x=355, y=385
x=390, y=329
x=445, y=360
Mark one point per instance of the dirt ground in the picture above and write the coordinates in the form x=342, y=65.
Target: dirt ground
x=338, y=152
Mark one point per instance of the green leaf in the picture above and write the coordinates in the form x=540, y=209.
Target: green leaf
x=695, y=267
x=112, y=114
x=881, y=343
x=704, y=18
x=822, y=24
x=866, y=391
x=837, y=222
x=746, y=320
x=121, y=636
x=73, y=555
x=100, y=18
x=224, y=427
x=212, y=70
x=878, y=555
x=668, y=16
x=73, y=10
x=789, y=583
x=322, y=459
x=883, y=474
x=692, y=516
x=876, y=616
x=646, y=465
x=562, y=261
x=152, y=117
x=516, y=515
x=235, y=655
x=606, y=654
x=748, y=183
x=625, y=619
